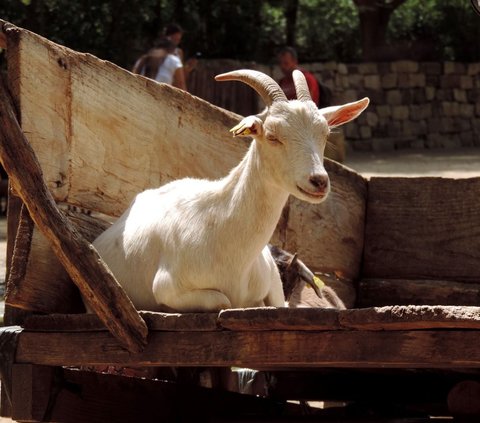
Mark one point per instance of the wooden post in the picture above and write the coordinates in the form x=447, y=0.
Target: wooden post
x=82, y=262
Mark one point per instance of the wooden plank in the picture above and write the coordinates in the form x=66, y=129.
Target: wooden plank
x=269, y=318
x=32, y=389
x=155, y=321
x=411, y=318
x=260, y=349
x=84, y=265
x=47, y=122
x=99, y=145
x=13, y=316
x=423, y=228
x=45, y=285
x=23, y=241
x=382, y=292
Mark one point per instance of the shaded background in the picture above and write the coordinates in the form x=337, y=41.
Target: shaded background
x=340, y=30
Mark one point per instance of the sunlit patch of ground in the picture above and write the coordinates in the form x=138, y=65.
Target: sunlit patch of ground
x=455, y=163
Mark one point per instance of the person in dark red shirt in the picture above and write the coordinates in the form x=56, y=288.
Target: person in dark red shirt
x=288, y=61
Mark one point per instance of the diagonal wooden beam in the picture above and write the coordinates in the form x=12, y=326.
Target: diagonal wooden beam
x=82, y=262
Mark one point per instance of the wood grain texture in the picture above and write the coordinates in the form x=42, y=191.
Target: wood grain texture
x=269, y=318
x=13, y=316
x=84, y=265
x=46, y=286
x=196, y=322
x=423, y=228
x=259, y=349
x=99, y=145
x=20, y=253
x=382, y=292
x=261, y=319
x=411, y=317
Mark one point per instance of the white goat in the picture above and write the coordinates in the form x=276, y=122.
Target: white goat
x=201, y=245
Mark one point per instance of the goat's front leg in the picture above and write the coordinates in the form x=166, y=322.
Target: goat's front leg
x=168, y=293
x=275, y=296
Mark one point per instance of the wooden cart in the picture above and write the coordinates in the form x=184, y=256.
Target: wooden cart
x=406, y=250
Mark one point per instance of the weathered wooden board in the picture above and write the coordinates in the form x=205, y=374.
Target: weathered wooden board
x=102, y=134
x=196, y=322
x=45, y=285
x=382, y=292
x=259, y=349
x=258, y=319
x=423, y=228
x=47, y=121
x=269, y=318
x=80, y=259
x=411, y=317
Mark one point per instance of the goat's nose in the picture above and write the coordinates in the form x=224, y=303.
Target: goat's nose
x=319, y=181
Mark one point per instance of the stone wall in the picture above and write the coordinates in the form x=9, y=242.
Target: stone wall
x=413, y=105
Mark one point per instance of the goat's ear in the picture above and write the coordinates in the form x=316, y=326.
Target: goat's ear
x=338, y=115
x=251, y=125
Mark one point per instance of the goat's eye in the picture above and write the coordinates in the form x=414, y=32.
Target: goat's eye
x=273, y=140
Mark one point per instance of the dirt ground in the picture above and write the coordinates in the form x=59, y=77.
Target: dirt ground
x=459, y=163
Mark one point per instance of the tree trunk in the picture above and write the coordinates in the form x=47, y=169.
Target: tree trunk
x=374, y=17
x=291, y=8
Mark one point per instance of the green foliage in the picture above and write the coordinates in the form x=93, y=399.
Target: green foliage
x=120, y=30
x=450, y=28
x=328, y=31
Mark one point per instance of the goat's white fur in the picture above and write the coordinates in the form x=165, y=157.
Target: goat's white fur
x=200, y=245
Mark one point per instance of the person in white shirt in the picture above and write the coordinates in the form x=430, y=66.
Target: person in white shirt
x=162, y=65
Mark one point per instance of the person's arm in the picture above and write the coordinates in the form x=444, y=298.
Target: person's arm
x=138, y=66
x=179, y=79
x=180, y=54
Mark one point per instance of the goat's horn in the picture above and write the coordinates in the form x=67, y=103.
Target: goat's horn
x=268, y=89
x=301, y=86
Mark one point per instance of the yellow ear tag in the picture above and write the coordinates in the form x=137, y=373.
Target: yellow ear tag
x=317, y=281
x=240, y=130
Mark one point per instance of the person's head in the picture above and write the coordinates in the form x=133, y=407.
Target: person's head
x=288, y=60
x=174, y=33
x=166, y=44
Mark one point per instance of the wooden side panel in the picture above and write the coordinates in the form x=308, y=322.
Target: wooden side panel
x=329, y=237
x=45, y=285
x=44, y=102
x=423, y=228
x=260, y=349
x=382, y=292
x=284, y=319
x=102, y=135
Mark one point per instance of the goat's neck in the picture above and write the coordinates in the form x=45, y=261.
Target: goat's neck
x=253, y=203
